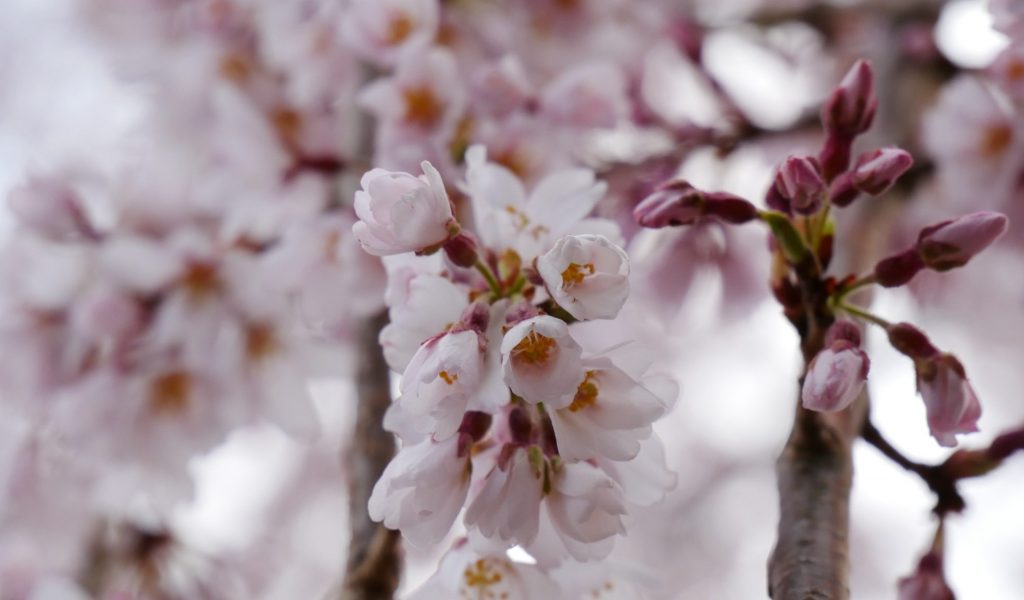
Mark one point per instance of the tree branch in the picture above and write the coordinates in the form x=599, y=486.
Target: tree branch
x=374, y=557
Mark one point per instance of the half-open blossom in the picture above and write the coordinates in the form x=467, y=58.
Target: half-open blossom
x=952, y=244
x=585, y=508
x=949, y=399
x=586, y=275
x=399, y=212
x=837, y=374
x=422, y=490
x=542, y=362
x=851, y=107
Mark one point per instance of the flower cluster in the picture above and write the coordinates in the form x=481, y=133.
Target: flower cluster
x=800, y=217
x=502, y=410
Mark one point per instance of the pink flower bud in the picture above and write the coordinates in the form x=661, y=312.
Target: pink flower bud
x=952, y=244
x=876, y=171
x=461, y=250
x=835, y=377
x=851, y=107
x=911, y=341
x=899, y=268
x=679, y=203
x=843, y=191
x=927, y=582
x=400, y=213
x=949, y=399
x=799, y=181
x=673, y=203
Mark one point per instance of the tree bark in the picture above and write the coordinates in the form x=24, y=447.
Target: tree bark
x=374, y=557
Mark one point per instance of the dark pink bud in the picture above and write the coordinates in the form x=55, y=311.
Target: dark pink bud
x=876, y=171
x=776, y=201
x=673, y=203
x=899, y=268
x=843, y=192
x=927, y=582
x=799, y=181
x=911, y=341
x=679, y=203
x=729, y=208
x=952, y=244
x=851, y=107
x=461, y=250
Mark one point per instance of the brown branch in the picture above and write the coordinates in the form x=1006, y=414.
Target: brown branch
x=374, y=558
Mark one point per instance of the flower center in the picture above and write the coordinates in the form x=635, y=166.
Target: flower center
x=399, y=28
x=996, y=140
x=575, y=273
x=449, y=378
x=422, y=106
x=481, y=575
x=168, y=393
x=259, y=341
x=586, y=394
x=534, y=349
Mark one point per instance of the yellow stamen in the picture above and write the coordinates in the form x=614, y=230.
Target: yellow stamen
x=534, y=349
x=996, y=140
x=586, y=394
x=575, y=273
x=168, y=393
x=448, y=377
x=399, y=28
x=481, y=574
x=421, y=106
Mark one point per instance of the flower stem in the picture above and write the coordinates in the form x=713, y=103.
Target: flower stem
x=864, y=314
x=492, y=281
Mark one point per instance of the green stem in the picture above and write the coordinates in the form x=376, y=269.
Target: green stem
x=864, y=314
x=492, y=281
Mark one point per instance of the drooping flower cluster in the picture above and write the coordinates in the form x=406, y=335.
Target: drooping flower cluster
x=501, y=410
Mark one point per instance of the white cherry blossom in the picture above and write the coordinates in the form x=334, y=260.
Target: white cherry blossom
x=587, y=275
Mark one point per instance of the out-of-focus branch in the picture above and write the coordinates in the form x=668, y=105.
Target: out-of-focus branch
x=374, y=558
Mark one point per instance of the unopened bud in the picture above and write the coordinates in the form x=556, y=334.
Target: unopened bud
x=898, y=269
x=876, y=171
x=952, y=244
x=927, y=582
x=799, y=181
x=911, y=341
x=851, y=107
x=461, y=250
x=843, y=329
x=843, y=192
x=679, y=203
x=520, y=426
x=673, y=203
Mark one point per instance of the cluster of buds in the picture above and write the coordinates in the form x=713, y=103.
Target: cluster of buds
x=502, y=411
x=799, y=215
